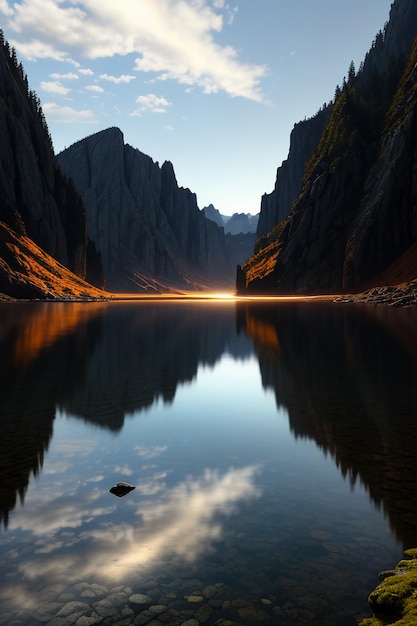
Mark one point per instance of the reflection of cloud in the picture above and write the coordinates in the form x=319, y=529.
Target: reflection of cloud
x=57, y=467
x=124, y=470
x=152, y=486
x=182, y=525
x=76, y=447
x=150, y=452
x=47, y=520
x=95, y=479
x=185, y=524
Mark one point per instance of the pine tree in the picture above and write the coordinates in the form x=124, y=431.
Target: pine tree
x=351, y=73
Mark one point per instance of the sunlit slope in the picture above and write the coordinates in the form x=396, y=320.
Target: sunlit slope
x=28, y=272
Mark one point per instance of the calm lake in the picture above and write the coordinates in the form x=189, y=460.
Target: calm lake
x=272, y=446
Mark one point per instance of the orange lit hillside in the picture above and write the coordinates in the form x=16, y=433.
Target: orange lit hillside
x=28, y=272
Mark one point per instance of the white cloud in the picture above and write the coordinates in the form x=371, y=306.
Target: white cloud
x=4, y=8
x=66, y=115
x=55, y=87
x=68, y=76
x=151, y=102
x=86, y=72
x=95, y=88
x=175, y=39
x=36, y=49
x=124, y=78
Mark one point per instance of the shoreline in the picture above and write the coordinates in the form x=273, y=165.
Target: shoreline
x=404, y=294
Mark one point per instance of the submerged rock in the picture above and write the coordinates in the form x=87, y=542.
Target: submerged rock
x=121, y=489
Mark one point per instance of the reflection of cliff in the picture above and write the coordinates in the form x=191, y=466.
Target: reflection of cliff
x=38, y=355
x=347, y=377
x=98, y=361
x=146, y=351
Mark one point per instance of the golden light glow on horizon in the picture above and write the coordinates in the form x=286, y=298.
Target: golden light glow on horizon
x=215, y=295
x=223, y=296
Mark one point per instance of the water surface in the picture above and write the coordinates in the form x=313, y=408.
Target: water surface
x=272, y=447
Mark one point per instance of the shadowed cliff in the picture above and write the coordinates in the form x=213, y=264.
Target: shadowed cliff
x=356, y=210
x=37, y=200
x=150, y=233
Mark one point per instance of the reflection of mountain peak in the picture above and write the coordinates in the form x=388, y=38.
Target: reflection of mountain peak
x=145, y=353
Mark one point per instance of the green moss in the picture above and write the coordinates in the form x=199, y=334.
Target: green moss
x=412, y=553
x=394, y=601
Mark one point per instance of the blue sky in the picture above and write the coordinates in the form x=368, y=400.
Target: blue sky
x=214, y=86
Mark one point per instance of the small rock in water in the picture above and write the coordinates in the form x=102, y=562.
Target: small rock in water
x=121, y=489
x=140, y=598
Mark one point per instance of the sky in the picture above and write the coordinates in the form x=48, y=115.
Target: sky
x=214, y=86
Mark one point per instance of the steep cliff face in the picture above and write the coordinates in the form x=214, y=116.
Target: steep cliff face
x=37, y=198
x=356, y=213
x=150, y=233
x=304, y=138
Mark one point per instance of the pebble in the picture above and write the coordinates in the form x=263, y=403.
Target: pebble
x=139, y=598
x=247, y=595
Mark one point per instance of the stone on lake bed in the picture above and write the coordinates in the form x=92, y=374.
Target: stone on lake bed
x=121, y=489
x=140, y=598
x=194, y=598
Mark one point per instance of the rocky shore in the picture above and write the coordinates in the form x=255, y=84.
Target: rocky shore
x=404, y=294
x=394, y=601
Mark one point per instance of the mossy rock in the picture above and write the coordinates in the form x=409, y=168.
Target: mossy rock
x=394, y=601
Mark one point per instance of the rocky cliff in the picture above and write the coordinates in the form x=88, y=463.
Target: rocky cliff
x=304, y=139
x=38, y=200
x=356, y=211
x=150, y=233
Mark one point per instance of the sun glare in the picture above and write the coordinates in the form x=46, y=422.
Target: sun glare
x=223, y=296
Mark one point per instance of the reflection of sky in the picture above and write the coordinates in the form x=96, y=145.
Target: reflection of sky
x=75, y=538
x=220, y=447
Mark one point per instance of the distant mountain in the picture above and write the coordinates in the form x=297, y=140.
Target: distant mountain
x=150, y=233
x=355, y=212
x=40, y=207
x=234, y=224
x=214, y=215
